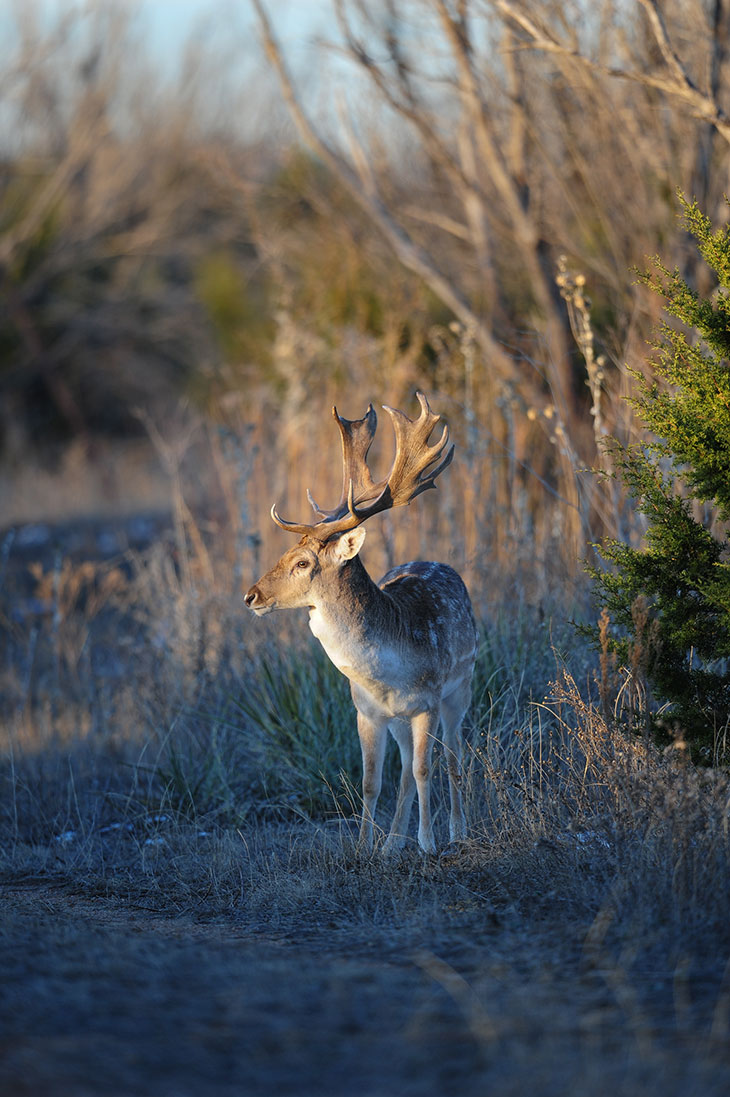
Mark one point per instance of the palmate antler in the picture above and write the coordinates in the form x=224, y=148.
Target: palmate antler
x=415, y=468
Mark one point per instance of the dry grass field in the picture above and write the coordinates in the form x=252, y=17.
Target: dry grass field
x=197, y=259
x=183, y=907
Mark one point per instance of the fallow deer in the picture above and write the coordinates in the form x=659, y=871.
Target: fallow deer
x=408, y=644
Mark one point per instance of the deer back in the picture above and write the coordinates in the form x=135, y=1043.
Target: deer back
x=434, y=615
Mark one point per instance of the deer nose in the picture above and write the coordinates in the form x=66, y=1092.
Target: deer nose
x=251, y=597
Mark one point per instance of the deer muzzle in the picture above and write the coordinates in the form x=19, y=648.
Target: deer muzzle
x=256, y=602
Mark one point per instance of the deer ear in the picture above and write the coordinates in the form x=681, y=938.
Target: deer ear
x=349, y=544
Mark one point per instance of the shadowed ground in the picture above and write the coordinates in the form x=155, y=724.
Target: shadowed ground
x=104, y=996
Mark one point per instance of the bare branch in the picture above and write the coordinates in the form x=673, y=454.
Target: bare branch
x=357, y=152
x=405, y=104
x=676, y=84
x=413, y=257
x=439, y=220
x=658, y=26
x=492, y=160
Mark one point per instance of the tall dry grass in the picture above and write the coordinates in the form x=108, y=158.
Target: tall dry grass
x=144, y=671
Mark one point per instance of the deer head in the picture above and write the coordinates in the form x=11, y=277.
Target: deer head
x=337, y=536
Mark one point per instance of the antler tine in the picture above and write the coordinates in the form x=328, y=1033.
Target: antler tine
x=414, y=457
x=357, y=437
x=357, y=483
x=290, y=527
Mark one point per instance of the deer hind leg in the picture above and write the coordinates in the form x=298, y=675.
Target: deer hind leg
x=453, y=711
x=401, y=732
x=373, y=737
x=424, y=728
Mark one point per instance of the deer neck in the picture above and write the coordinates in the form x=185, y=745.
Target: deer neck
x=349, y=616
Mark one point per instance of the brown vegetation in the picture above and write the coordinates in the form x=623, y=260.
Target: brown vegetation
x=180, y=289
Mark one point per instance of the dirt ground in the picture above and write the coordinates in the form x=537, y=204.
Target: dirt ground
x=104, y=996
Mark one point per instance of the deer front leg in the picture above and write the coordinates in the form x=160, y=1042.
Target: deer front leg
x=401, y=732
x=373, y=736
x=424, y=728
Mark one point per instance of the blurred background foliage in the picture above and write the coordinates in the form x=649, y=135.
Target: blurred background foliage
x=173, y=240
